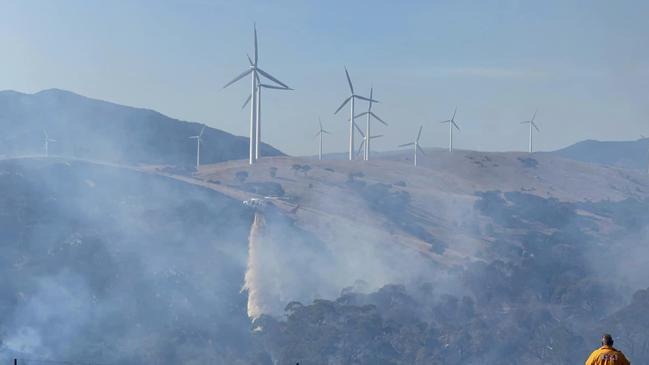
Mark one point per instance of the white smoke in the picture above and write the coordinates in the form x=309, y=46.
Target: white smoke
x=251, y=284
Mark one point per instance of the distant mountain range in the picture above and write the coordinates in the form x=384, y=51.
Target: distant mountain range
x=98, y=130
x=625, y=154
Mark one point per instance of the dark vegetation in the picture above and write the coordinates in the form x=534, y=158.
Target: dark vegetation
x=267, y=188
x=539, y=298
x=241, y=176
x=304, y=169
x=529, y=162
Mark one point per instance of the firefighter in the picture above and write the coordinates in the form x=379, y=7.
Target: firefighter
x=607, y=354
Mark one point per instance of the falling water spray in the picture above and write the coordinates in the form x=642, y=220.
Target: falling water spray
x=251, y=279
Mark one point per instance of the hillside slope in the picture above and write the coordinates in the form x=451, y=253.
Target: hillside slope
x=115, y=266
x=375, y=262
x=533, y=248
x=98, y=130
x=625, y=154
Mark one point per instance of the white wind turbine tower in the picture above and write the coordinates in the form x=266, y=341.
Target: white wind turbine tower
x=319, y=134
x=416, y=145
x=451, y=124
x=643, y=137
x=532, y=124
x=370, y=114
x=260, y=86
x=199, y=139
x=351, y=98
x=255, y=71
x=46, y=142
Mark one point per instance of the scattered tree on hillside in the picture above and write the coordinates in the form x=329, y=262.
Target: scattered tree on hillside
x=241, y=176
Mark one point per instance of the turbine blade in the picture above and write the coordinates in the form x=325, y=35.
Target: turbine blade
x=406, y=145
x=349, y=80
x=455, y=124
x=320, y=122
x=202, y=130
x=250, y=60
x=534, y=116
x=536, y=127
x=446, y=121
x=371, y=98
x=360, y=115
x=525, y=122
x=360, y=147
x=419, y=134
x=421, y=150
x=343, y=104
x=269, y=76
x=246, y=102
x=325, y=132
x=379, y=119
x=366, y=99
x=256, y=47
x=377, y=136
x=317, y=134
x=359, y=130
x=267, y=86
x=454, y=112
x=244, y=74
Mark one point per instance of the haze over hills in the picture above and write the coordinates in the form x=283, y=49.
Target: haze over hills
x=97, y=130
x=368, y=262
x=516, y=239
x=93, y=129
x=627, y=154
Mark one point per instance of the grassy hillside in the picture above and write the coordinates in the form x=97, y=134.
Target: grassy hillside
x=625, y=154
x=98, y=130
x=115, y=266
x=374, y=262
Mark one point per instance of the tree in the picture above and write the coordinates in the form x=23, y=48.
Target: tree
x=273, y=172
x=241, y=176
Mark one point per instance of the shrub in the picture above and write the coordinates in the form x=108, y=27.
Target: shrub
x=241, y=176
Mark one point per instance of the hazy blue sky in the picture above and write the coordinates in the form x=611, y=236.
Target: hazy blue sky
x=584, y=64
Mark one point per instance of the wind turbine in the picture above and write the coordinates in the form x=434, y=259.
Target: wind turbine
x=352, y=97
x=198, y=139
x=416, y=144
x=532, y=124
x=319, y=134
x=363, y=143
x=451, y=124
x=370, y=114
x=255, y=71
x=46, y=142
x=260, y=86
